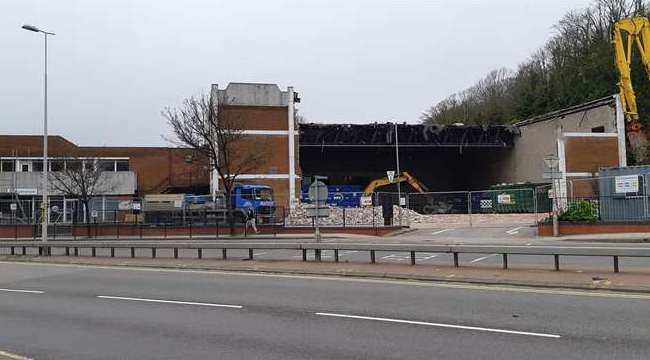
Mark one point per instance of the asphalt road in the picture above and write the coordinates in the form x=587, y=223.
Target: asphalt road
x=70, y=312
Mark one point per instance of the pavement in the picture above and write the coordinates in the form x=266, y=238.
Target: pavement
x=85, y=312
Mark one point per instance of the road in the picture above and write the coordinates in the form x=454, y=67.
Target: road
x=71, y=312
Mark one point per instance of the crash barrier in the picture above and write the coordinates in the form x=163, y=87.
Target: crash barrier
x=71, y=248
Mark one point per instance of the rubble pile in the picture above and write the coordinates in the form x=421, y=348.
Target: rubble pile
x=353, y=216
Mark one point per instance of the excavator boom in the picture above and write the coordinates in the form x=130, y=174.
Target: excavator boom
x=405, y=177
x=628, y=33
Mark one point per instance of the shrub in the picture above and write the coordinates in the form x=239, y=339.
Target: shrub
x=580, y=210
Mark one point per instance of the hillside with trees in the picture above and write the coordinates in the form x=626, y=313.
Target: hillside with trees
x=576, y=65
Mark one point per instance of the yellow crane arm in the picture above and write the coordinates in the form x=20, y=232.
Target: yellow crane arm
x=405, y=177
x=627, y=31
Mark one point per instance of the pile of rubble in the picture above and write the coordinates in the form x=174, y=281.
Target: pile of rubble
x=369, y=216
x=366, y=216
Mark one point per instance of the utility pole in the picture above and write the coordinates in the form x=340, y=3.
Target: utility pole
x=44, y=202
x=399, y=173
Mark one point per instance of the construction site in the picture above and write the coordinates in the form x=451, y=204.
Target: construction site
x=377, y=174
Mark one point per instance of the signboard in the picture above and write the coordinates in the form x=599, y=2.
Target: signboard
x=551, y=193
x=137, y=206
x=402, y=201
x=318, y=211
x=26, y=191
x=626, y=184
x=504, y=199
x=390, y=174
x=322, y=192
x=366, y=201
x=93, y=213
x=13, y=206
x=124, y=205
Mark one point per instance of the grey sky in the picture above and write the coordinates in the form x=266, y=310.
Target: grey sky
x=115, y=64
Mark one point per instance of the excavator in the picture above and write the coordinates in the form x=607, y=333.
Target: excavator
x=405, y=177
x=626, y=32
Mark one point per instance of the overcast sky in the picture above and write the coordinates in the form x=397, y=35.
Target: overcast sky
x=115, y=64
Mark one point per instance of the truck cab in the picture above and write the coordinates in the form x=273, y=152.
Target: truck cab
x=259, y=197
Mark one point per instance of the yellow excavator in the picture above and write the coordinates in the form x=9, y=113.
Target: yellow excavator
x=405, y=177
x=626, y=32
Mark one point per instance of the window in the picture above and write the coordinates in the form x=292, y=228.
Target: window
x=122, y=165
x=56, y=165
x=25, y=168
x=37, y=165
x=264, y=194
x=106, y=165
x=89, y=165
x=73, y=164
x=8, y=165
x=247, y=194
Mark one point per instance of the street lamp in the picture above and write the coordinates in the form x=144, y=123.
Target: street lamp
x=399, y=189
x=44, y=204
x=552, y=163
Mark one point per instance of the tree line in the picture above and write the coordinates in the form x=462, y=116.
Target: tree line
x=575, y=66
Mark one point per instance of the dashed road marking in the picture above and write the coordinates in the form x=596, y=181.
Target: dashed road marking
x=514, y=231
x=483, y=258
x=12, y=356
x=441, y=231
x=169, y=301
x=23, y=291
x=452, y=326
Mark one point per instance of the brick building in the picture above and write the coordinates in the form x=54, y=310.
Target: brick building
x=266, y=116
x=153, y=169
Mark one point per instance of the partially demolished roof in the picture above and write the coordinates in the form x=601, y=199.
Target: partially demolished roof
x=410, y=135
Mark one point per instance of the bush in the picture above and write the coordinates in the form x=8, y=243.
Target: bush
x=580, y=210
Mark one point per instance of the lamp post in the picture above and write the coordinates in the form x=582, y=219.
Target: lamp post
x=44, y=203
x=399, y=189
x=552, y=163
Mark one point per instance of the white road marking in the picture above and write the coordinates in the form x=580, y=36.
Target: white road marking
x=418, y=257
x=483, y=258
x=514, y=231
x=441, y=231
x=169, y=301
x=13, y=356
x=452, y=326
x=432, y=284
x=23, y=291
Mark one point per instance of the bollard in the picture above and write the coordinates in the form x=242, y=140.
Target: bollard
x=175, y=253
x=93, y=252
x=67, y=251
x=12, y=251
x=304, y=254
x=372, y=256
x=336, y=254
x=153, y=252
x=456, y=259
x=76, y=251
x=24, y=250
x=112, y=252
x=615, y=263
x=317, y=253
x=132, y=252
x=412, y=257
x=199, y=253
x=557, y=262
x=224, y=254
x=505, y=261
x=250, y=254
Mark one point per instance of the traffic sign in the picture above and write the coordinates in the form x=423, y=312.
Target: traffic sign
x=390, y=174
x=318, y=192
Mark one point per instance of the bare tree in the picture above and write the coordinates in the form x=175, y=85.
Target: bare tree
x=203, y=124
x=80, y=178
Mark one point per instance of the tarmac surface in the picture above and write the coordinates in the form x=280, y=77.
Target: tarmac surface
x=79, y=312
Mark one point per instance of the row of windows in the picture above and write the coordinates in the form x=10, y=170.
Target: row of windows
x=58, y=165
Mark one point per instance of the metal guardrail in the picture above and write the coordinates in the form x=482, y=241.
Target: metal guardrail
x=72, y=249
